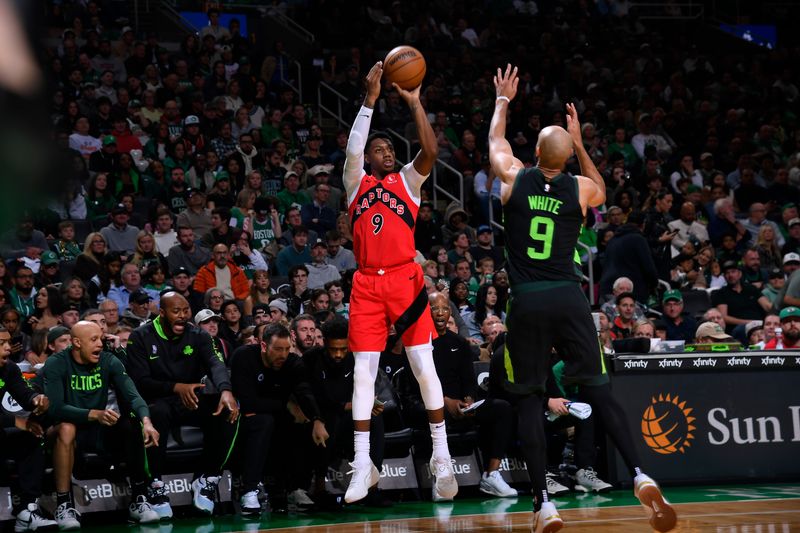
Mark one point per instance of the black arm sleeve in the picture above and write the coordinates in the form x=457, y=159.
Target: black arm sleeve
x=466, y=374
x=139, y=369
x=18, y=387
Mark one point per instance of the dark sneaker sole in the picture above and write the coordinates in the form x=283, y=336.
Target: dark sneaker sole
x=662, y=516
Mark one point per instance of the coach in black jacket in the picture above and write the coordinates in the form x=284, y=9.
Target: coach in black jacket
x=628, y=254
x=184, y=380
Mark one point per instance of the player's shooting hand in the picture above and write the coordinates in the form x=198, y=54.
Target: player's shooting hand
x=41, y=404
x=149, y=433
x=227, y=401
x=505, y=82
x=185, y=392
x=373, y=84
x=409, y=97
x=574, y=125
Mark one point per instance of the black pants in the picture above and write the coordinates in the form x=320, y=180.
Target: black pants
x=219, y=435
x=339, y=426
x=120, y=443
x=278, y=442
x=28, y=454
x=585, y=449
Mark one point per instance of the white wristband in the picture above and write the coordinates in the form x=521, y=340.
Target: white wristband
x=506, y=98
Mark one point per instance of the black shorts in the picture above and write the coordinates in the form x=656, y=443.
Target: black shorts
x=554, y=317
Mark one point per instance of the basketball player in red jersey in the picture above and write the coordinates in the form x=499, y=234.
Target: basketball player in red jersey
x=389, y=287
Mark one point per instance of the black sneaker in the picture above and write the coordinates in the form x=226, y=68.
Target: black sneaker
x=159, y=501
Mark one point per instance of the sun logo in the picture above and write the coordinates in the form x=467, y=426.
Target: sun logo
x=667, y=425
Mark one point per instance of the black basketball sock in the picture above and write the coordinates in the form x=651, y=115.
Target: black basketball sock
x=610, y=412
x=531, y=436
x=63, y=497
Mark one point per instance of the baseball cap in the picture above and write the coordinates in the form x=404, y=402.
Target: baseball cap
x=139, y=296
x=125, y=30
x=222, y=175
x=55, y=332
x=791, y=257
x=789, y=205
x=787, y=312
x=280, y=305
x=794, y=222
x=752, y=326
x=775, y=273
x=205, y=315
x=109, y=139
x=484, y=229
x=673, y=294
x=180, y=270
x=70, y=307
x=260, y=307
x=134, y=103
x=193, y=190
x=319, y=242
x=88, y=84
x=191, y=119
x=290, y=174
x=711, y=329
x=319, y=169
x=119, y=209
x=729, y=265
x=49, y=258
x=706, y=155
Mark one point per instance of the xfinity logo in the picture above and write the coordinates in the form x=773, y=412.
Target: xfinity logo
x=664, y=363
x=636, y=364
x=769, y=361
x=705, y=362
x=739, y=361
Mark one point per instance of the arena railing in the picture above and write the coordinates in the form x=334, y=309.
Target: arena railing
x=337, y=113
x=295, y=85
x=403, y=140
x=438, y=189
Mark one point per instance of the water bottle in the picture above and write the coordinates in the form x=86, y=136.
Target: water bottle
x=779, y=336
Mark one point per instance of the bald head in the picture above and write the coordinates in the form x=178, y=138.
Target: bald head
x=554, y=147
x=440, y=311
x=87, y=342
x=437, y=298
x=172, y=298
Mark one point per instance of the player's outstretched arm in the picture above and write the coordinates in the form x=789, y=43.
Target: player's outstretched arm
x=593, y=189
x=354, y=162
x=429, y=148
x=504, y=164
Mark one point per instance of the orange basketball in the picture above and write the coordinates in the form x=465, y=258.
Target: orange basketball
x=404, y=66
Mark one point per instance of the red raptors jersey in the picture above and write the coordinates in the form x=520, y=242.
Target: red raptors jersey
x=383, y=215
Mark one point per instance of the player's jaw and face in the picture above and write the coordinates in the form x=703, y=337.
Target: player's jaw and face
x=380, y=156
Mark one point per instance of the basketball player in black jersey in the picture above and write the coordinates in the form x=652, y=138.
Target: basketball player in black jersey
x=543, y=210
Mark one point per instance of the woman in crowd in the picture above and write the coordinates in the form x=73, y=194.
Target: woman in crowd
x=46, y=306
x=20, y=342
x=319, y=301
x=767, y=246
x=345, y=230
x=154, y=278
x=178, y=158
x=485, y=305
x=107, y=277
x=73, y=292
x=243, y=208
x=259, y=291
x=87, y=264
x=213, y=299
x=99, y=200
x=146, y=254
x=126, y=178
x=459, y=295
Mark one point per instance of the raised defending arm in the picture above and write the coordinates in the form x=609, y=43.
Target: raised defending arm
x=504, y=164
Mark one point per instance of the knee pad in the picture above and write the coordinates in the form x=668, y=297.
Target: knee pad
x=364, y=374
x=420, y=358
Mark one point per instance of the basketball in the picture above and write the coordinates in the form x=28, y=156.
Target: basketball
x=405, y=66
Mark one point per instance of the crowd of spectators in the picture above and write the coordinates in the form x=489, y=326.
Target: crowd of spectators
x=197, y=171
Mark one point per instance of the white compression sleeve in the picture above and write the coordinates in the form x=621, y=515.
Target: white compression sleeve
x=364, y=374
x=354, y=163
x=421, y=359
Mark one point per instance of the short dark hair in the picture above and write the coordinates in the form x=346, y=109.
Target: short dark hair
x=294, y=269
x=621, y=296
x=298, y=318
x=378, y=135
x=223, y=212
x=335, y=328
x=90, y=312
x=274, y=330
x=333, y=283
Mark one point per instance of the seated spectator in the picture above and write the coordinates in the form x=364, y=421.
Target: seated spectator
x=221, y=230
x=628, y=255
x=460, y=250
x=173, y=404
x=110, y=311
x=120, y=236
x=47, y=308
x=138, y=311
x=713, y=315
x=221, y=273
x=320, y=175
x=66, y=247
x=624, y=321
x=463, y=272
x=260, y=292
x=679, y=326
x=209, y=321
x=456, y=221
x=196, y=216
x=770, y=322
x=644, y=328
x=339, y=256
x=791, y=262
x=165, y=237
x=711, y=333
x=754, y=332
x=776, y=282
x=752, y=271
x=77, y=381
x=48, y=270
x=246, y=258
x=688, y=229
x=298, y=253
x=317, y=215
x=620, y=286
x=187, y=254
x=485, y=248
x=336, y=295
x=320, y=271
x=318, y=302
x=266, y=376
x=427, y=231
x=291, y=195
x=485, y=306
x=303, y=329
x=131, y=281
x=231, y=325
x=278, y=311
x=738, y=302
x=266, y=227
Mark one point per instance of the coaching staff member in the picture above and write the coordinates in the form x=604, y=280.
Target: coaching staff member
x=167, y=360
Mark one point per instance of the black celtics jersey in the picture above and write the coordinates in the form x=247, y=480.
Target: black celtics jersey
x=542, y=222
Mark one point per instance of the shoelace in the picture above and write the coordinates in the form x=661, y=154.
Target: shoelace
x=590, y=474
x=210, y=490
x=67, y=512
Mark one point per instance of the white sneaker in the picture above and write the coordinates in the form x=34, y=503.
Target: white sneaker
x=493, y=484
x=31, y=519
x=364, y=477
x=587, y=481
x=251, y=506
x=67, y=517
x=298, y=501
x=554, y=488
x=662, y=515
x=547, y=519
x=204, y=493
x=141, y=512
x=445, y=486
x=159, y=501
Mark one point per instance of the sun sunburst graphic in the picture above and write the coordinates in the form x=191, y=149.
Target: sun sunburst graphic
x=667, y=425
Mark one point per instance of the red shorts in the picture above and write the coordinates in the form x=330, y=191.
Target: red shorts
x=398, y=297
